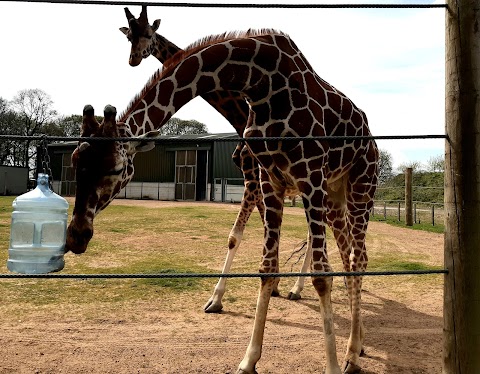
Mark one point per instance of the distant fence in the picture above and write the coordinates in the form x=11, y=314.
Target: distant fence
x=423, y=212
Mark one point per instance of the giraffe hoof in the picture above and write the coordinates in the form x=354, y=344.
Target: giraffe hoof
x=362, y=353
x=351, y=368
x=275, y=293
x=211, y=307
x=294, y=296
x=241, y=371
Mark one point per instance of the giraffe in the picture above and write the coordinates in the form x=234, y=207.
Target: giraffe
x=145, y=42
x=336, y=179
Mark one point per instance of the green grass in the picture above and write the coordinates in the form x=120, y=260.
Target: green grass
x=424, y=226
x=438, y=228
x=132, y=239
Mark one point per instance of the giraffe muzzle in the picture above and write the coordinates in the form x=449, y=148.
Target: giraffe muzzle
x=135, y=60
x=77, y=240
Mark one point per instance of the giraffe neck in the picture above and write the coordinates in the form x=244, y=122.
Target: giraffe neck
x=224, y=66
x=230, y=105
x=162, y=48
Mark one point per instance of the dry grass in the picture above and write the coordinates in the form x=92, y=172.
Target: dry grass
x=183, y=238
x=152, y=237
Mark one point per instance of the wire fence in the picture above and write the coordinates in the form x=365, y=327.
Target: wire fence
x=223, y=275
x=423, y=212
x=219, y=139
x=236, y=275
x=237, y=5
x=44, y=138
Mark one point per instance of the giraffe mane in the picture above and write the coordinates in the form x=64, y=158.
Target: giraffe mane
x=218, y=38
x=191, y=49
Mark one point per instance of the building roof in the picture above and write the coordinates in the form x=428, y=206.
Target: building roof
x=179, y=138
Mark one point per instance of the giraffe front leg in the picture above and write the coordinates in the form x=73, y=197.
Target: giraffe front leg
x=214, y=304
x=273, y=200
x=254, y=349
x=261, y=212
x=323, y=286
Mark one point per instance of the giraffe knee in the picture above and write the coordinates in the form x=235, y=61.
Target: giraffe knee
x=232, y=242
x=323, y=285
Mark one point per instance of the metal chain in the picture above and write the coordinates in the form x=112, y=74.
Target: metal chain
x=46, y=162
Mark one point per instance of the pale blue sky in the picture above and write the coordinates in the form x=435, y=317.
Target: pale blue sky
x=390, y=62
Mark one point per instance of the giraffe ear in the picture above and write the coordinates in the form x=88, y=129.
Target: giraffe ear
x=74, y=158
x=155, y=24
x=75, y=154
x=144, y=145
x=124, y=30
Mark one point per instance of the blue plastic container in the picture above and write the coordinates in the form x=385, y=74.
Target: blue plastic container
x=38, y=231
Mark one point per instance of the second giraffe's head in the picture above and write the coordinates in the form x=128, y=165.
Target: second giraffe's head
x=102, y=168
x=141, y=34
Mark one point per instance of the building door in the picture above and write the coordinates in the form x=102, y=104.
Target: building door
x=185, y=174
x=201, y=181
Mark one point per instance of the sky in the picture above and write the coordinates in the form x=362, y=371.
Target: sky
x=390, y=62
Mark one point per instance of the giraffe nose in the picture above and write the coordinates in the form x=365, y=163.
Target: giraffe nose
x=77, y=240
x=135, y=59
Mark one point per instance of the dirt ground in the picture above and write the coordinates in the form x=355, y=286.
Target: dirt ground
x=403, y=324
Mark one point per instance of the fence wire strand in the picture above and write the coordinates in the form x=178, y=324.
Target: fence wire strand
x=197, y=139
x=236, y=5
x=230, y=275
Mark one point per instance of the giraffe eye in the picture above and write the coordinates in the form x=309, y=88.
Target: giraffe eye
x=115, y=172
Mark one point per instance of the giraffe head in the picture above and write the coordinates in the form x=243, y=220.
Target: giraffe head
x=102, y=169
x=141, y=34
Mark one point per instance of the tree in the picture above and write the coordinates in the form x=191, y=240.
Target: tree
x=33, y=114
x=415, y=165
x=66, y=126
x=177, y=126
x=385, y=167
x=9, y=125
x=436, y=164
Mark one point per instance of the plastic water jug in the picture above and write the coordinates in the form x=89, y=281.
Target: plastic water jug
x=38, y=231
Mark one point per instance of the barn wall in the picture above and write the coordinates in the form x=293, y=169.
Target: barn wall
x=156, y=165
x=154, y=176
x=223, y=166
x=13, y=180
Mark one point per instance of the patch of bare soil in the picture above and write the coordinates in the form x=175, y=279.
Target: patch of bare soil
x=404, y=328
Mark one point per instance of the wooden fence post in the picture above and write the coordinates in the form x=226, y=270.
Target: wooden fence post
x=408, y=197
x=433, y=214
x=461, y=348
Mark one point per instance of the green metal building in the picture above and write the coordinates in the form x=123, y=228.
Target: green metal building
x=185, y=167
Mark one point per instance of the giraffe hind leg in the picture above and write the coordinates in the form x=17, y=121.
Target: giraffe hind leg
x=360, y=191
x=296, y=290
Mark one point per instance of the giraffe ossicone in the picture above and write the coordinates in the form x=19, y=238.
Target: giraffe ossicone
x=286, y=98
